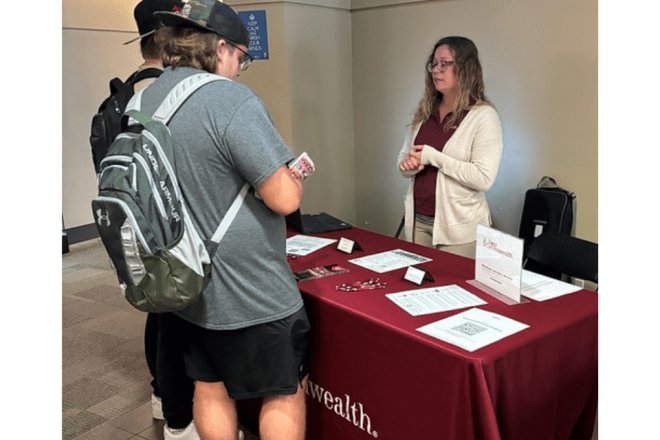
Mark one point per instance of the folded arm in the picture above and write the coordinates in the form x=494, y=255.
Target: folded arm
x=480, y=169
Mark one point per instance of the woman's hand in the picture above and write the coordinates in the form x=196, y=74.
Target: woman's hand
x=413, y=162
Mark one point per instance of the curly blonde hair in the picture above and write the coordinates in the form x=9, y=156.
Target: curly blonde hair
x=467, y=69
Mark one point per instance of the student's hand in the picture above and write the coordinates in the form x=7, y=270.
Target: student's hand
x=295, y=172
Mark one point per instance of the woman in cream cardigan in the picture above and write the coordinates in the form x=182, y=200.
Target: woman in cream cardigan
x=452, y=152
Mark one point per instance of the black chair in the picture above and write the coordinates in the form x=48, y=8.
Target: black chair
x=563, y=254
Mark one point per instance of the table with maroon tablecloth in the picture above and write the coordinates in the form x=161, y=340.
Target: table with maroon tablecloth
x=374, y=376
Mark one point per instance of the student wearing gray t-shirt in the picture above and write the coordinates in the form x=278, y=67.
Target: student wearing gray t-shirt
x=248, y=335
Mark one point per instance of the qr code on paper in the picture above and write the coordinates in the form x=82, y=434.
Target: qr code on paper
x=469, y=329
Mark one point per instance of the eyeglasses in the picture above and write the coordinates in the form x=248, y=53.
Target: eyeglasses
x=442, y=65
x=246, y=58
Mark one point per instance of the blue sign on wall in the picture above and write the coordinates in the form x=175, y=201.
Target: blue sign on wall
x=255, y=22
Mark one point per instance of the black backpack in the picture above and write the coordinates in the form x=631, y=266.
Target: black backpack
x=106, y=123
x=548, y=207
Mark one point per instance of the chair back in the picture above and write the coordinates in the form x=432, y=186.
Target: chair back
x=568, y=255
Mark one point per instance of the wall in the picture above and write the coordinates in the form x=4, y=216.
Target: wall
x=540, y=67
x=319, y=43
x=342, y=83
x=306, y=84
x=92, y=53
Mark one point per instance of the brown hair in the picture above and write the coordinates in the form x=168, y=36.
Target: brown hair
x=148, y=48
x=467, y=69
x=188, y=47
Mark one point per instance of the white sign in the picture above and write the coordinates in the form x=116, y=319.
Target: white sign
x=415, y=275
x=498, y=263
x=346, y=245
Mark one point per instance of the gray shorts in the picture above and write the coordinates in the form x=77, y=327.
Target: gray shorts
x=262, y=360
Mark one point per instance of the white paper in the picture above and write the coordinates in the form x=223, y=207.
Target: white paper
x=542, y=288
x=498, y=263
x=305, y=244
x=473, y=329
x=434, y=299
x=390, y=260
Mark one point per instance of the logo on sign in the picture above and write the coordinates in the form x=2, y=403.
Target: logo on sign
x=345, y=407
x=492, y=245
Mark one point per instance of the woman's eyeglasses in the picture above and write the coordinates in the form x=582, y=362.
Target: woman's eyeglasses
x=441, y=66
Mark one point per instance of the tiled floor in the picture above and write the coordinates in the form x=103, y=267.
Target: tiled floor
x=105, y=380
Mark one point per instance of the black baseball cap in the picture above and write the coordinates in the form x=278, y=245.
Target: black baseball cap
x=147, y=23
x=208, y=16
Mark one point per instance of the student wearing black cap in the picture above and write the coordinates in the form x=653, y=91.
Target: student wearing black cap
x=147, y=24
x=173, y=389
x=248, y=334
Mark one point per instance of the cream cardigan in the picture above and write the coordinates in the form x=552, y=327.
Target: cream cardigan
x=467, y=167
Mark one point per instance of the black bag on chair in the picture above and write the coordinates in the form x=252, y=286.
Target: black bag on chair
x=546, y=208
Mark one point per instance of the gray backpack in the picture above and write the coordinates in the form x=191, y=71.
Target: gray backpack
x=161, y=261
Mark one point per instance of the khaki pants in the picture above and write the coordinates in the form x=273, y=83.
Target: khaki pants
x=423, y=235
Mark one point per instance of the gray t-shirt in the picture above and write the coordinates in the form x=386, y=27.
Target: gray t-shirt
x=223, y=137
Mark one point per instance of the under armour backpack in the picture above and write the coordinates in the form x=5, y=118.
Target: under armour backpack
x=161, y=261
x=106, y=123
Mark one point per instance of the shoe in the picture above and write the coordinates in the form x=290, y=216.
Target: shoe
x=190, y=433
x=156, y=408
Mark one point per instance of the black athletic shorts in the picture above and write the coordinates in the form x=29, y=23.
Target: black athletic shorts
x=258, y=361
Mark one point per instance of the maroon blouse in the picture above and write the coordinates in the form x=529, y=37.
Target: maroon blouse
x=431, y=133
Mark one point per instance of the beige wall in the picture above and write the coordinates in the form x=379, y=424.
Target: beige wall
x=92, y=54
x=306, y=84
x=344, y=77
x=319, y=44
x=540, y=66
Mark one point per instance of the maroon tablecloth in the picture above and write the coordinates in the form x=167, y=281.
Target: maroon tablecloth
x=374, y=376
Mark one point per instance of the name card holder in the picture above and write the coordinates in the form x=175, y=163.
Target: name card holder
x=417, y=276
x=348, y=246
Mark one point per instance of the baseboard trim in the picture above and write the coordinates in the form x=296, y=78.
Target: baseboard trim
x=81, y=233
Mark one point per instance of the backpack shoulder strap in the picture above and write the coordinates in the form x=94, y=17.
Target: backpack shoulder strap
x=176, y=97
x=135, y=103
x=182, y=91
x=231, y=213
x=138, y=76
x=172, y=102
